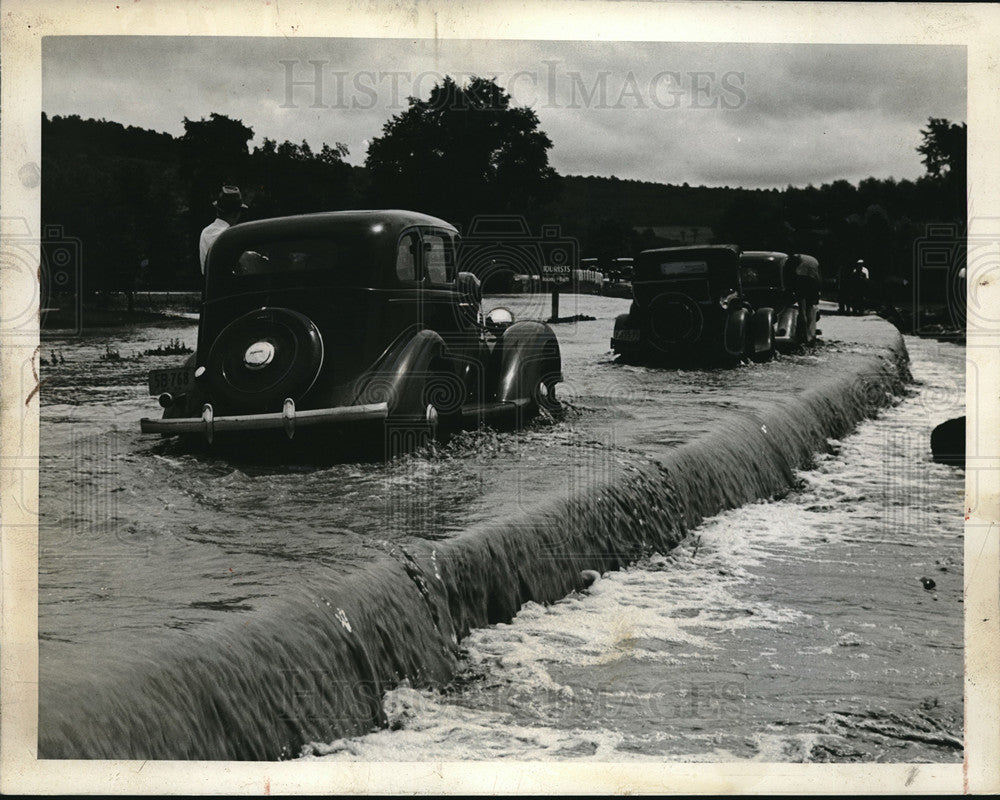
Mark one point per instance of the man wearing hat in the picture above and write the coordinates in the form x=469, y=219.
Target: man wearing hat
x=228, y=208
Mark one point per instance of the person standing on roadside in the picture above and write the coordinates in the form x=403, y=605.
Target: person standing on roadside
x=229, y=207
x=862, y=289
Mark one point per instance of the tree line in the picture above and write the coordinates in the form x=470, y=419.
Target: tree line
x=137, y=199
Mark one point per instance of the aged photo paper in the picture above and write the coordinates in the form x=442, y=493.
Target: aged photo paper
x=656, y=678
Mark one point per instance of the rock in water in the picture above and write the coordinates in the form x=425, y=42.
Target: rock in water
x=588, y=578
x=948, y=442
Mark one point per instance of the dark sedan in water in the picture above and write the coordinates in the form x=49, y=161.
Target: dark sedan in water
x=690, y=302
x=327, y=320
x=787, y=284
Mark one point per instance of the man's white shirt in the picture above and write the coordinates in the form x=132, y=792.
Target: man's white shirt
x=208, y=236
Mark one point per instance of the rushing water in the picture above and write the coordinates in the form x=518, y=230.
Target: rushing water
x=798, y=629
x=150, y=557
x=117, y=507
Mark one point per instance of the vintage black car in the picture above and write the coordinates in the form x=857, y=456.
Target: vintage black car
x=789, y=285
x=326, y=320
x=690, y=302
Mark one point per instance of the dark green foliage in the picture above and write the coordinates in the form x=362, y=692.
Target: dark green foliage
x=944, y=149
x=290, y=179
x=213, y=152
x=132, y=196
x=115, y=190
x=463, y=151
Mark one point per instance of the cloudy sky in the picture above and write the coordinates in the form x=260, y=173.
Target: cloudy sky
x=754, y=115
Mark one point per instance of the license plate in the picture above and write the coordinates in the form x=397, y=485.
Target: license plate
x=627, y=335
x=176, y=381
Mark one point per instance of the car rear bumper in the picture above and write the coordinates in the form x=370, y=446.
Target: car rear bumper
x=289, y=419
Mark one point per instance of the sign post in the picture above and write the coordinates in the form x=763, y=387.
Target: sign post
x=557, y=275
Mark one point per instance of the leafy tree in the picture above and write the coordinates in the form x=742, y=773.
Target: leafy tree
x=291, y=179
x=132, y=174
x=213, y=152
x=463, y=151
x=944, y=148
x=945, y=153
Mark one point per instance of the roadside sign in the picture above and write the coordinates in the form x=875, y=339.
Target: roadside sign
x=557, y=273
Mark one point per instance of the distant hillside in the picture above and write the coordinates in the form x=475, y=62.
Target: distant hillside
x=76, y=136
x=131, y=197
x=611, y=217
x=645, y=204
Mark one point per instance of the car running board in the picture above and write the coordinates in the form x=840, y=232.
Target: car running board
x=492, y=412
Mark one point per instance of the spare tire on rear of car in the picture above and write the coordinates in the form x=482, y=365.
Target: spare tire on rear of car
x=262, y=358
x=674, y=318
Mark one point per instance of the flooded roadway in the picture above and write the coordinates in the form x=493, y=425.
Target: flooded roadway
x=116, y=506
x=142, y=544
x=792, y=630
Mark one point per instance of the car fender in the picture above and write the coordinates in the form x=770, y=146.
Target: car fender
x=632, y=345
x=762, y=333
x=623, y=321
x=786, y=326
x=417, y=372
x=735, y=334
x=527, y=357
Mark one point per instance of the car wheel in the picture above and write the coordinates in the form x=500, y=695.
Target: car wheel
x=764, y=355
x=262, y=358
x=545, y=396
x=444, y=395
x=674, y=318
x=437, y=417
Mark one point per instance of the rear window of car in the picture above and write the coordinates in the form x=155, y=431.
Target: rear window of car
x=682, y=269
x=345, y=261
x=760, y=273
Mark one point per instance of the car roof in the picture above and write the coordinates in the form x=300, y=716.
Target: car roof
x=689, y=250
x=762, y=254
x=381, y=228
x=393, y=222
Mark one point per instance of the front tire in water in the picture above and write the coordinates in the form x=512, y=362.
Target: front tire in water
x=436, y=419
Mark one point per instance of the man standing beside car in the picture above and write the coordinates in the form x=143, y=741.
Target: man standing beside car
x=228, y=208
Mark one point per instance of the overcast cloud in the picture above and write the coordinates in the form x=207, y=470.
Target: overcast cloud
x=755, y=115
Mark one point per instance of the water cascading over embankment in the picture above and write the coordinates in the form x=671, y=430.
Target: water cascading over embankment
x=313, y=665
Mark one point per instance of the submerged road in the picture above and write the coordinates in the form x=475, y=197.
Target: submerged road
x=191, y=606
x=825, y=625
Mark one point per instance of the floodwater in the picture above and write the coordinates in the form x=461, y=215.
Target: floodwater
x=793, y=630
x=116, y=507
x=796, y=629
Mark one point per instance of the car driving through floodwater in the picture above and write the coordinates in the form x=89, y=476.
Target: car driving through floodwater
x=328, y=320
x=718, y=303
